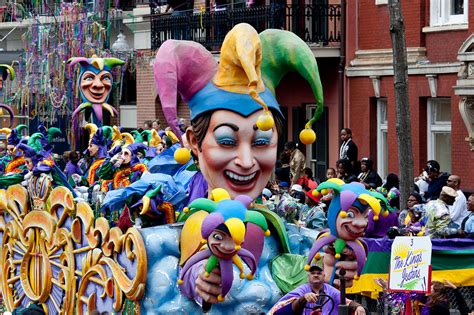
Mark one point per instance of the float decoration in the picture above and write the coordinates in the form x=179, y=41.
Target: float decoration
x=54, y=253
x=223, y=230
x=346, y=196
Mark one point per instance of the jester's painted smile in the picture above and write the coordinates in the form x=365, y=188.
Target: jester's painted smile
x=96, y=87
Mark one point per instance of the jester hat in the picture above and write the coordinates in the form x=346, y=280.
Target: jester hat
x=13, y=135
x=48, y=136
x=99, y=137
x=134, y=148
x=346, y=196
x=251, y=67
x=95, y=65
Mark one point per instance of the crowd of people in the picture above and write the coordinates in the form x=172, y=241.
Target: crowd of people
x=436, y=207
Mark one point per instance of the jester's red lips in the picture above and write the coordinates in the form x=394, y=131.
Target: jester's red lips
x=352, y=231
x=220, y=253
x=241, y=182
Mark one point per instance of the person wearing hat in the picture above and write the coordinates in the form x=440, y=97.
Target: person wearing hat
x=309, y=297
x=13, y=162
x=312, y=214
x=437, y=216
x=235, y=118
x=436, y=180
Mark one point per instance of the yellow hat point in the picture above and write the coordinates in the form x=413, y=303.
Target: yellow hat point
x=250, y=276
x=324, y=191
x=315, y=193
x=306, y=267
x=206, y=274
x=376, y=217
x=337, y=256
x=180, y=281
x=220, y=298
x=219, y=194
x=356, y=277
x=317, y=256
x=307, y=136
x=242, y=275
x=265, y=122
x=238, y=247
x=182, y=155
x=343, y=214
x=185, y=209
x=267, y=233
x=203, y=241
x=385, y=213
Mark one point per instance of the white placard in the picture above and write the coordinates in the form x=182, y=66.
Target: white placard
x=410, y=264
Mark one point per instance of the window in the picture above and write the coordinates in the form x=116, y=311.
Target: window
x=382, y=131
x=439, y=132
x=448, y=12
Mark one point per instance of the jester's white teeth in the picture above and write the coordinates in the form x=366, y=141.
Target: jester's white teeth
x=240, y=178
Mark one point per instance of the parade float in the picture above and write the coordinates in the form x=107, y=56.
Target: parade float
x=132, y=238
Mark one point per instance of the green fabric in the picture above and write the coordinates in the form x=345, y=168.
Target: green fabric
x=106, y=171
x=9, y=180
x=288, y=271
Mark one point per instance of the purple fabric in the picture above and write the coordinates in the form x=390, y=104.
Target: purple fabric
x=197, y=187
x=188, y=288
x=306, y=288
x=72, y=168
x=379, y=228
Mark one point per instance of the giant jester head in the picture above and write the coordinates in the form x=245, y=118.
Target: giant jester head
x=95, y=83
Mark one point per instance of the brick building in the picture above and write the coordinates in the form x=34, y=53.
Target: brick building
x=438, y=48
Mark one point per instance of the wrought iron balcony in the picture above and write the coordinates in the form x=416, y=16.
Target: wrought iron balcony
x=319, y=24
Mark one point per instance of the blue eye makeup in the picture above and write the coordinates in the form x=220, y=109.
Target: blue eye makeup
x=263, y=137
x=224, y=135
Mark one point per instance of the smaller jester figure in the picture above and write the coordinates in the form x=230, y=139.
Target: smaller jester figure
x=95, y=84
x=223, y=230
x=347, y=220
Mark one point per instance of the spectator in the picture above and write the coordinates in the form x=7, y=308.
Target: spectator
x=348, y=150
x=306, y=298
x=307, y=181
x=467, y=225
x=422, y=182
x=458, y=211
x=390, y=182
x=437, y=180
x=330, y=173
x=312, y=214
x=71, y=166
x=368, y=176
x=437, y=213
x=182, y=125
x=405, y=215
x=282, y=170
x=147, y=125
x=344, y=171
x=438, y=302
x=297, y=193
x=297, y=161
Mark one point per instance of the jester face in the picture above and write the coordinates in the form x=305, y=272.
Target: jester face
x=353, y=225
x=126, y=156
x=93, y=149
x=221, y=244
x=95, y=87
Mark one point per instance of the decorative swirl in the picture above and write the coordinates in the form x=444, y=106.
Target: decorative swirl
x=55, y=254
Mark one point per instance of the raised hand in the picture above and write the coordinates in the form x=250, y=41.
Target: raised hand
x=209, y=288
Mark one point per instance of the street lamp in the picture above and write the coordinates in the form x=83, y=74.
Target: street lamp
x=120, y=45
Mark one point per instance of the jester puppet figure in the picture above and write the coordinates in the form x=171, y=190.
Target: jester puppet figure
x=234, y=150
x=95, y=84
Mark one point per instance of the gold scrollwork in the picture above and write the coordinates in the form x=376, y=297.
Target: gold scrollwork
x=53, y=250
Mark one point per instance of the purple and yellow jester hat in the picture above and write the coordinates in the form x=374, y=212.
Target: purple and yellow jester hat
x=346, y=196
x=251, y=67
x=95, y=65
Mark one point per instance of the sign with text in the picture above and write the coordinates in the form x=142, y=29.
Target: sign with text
x=410, y=265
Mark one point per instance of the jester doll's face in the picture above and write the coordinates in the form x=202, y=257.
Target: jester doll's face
x=235, y=154
x=221, y=244
x=95, y=87
x=353, y=225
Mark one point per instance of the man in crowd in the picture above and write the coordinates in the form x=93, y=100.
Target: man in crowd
x=458, y=210
x=436, y=180
x=308, y=297
x=437, y=213
x=297, y=161
x=467, y=225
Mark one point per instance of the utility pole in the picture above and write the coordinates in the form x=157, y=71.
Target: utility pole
x=402, y=105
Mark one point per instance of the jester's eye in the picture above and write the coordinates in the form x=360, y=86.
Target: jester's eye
x=217, y=237
x=350, y=214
